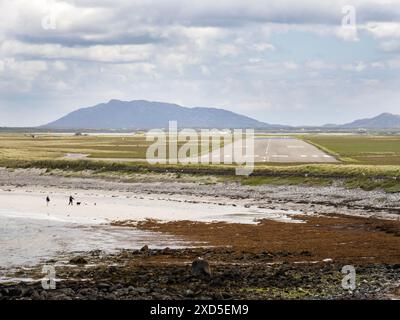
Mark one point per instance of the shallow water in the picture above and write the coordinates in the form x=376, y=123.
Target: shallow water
x=27, y=241
x=30, y=231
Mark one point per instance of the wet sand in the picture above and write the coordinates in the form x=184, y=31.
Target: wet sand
x=97, y=206
x=305, y=199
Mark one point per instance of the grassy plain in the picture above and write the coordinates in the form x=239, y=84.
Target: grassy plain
x=369, y=162
x=47, y=146
x=360, y=149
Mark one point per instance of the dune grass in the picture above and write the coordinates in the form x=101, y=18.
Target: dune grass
x=351, y=176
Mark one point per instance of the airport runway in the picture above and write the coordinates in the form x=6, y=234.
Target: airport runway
x=288, y=150
x=276, y=150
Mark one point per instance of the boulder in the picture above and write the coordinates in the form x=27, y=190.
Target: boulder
x=201, y=267
x=78, y=260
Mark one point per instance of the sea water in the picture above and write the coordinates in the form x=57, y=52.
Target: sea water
x=27, y=241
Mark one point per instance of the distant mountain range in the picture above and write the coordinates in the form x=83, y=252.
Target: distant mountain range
x=141, y=114
x=382, y=121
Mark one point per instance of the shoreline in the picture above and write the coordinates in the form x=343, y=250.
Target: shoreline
x=305, y=199
x=363, y=241
x=264, y=259
x=166, y=274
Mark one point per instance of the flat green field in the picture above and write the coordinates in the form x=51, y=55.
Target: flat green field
x=45, y=147
x=368, y=162
x=360, y=149
x=350, y=149
x=26, y=147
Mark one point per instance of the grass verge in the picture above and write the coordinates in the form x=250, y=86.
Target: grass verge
x=367, y=177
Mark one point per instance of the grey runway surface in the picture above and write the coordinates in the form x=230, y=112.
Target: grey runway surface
x=288, y=150
x=274, y=150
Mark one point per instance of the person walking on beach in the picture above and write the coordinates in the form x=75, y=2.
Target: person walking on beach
x=47, y=200
x=71, y=201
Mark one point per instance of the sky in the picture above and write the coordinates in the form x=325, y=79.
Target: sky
x=295, y=62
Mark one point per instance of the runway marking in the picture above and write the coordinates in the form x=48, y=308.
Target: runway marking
x=280, y=156
x=267, y=150
x=284, y=150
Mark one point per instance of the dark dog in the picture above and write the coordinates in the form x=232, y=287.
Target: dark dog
x=78, y=203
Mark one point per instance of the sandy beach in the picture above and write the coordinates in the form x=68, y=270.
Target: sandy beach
x=118, y=191
x=107, y=206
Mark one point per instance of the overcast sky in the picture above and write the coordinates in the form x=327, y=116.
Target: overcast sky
x=288, y=62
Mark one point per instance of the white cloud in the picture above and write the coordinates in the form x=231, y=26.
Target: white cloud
x=227, y=49
x=27, y=69
x=205, y=70
x=261, y=47
x=204, y=52
x=59, y=66
x=391, y=45
x=290, y=65
x=371, y=82
x=378, y=64
x=99, y=53
x=319, y=65
x=357, y=67
x=384, y=29
x=394, y=63
x=348, y=33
